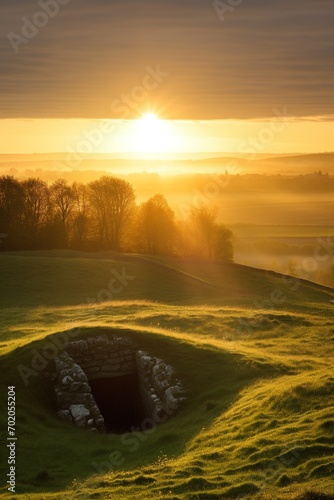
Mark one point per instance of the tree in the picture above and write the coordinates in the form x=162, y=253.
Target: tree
x=62, y=198
x=210, y=239
x=156, y=226
x=36, y=209
x=11, y=212
x=223, y=248
x=112, y=201
x=80, y=216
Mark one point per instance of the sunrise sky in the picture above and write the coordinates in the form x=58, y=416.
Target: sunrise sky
x=221, y=77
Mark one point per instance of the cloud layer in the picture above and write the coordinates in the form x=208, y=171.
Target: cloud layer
x=264, y=54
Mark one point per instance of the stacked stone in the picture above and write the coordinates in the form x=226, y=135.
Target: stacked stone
x=104, y=357
x=161, y=392
x=74, y=397
x=101, y=357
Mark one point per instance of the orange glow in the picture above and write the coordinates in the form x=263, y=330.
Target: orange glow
x=152, y=135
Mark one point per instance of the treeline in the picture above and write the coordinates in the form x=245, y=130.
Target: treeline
x=104, y=215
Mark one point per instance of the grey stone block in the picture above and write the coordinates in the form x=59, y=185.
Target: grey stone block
x=78, y=411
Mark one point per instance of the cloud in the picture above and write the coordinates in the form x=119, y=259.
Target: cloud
x=264, y=55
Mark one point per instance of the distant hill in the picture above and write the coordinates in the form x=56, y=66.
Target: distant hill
x=301, y=163
x=233, y=163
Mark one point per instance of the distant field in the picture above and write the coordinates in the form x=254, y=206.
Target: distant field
x=281, y=231
x=282, y=248
x=254, y=351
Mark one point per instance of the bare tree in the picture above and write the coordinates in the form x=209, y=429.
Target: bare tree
x=80, y=215
x=156, y=226
x=11, y=211
x=62, y=198
x=211, y=239
x=36, y=208
x=112, y=201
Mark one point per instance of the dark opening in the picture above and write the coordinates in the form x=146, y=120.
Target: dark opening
x=119, y=402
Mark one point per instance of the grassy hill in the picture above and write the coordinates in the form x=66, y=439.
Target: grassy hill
x=253, y=349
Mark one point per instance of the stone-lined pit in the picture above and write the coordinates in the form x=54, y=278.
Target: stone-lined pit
x=121, y=393
x=105, y=384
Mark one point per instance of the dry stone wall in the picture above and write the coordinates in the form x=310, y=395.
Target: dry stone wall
x=103, y=357
x=161, y=392
x=74, y=396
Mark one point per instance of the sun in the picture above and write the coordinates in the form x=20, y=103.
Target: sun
x=150, y=131
x=149, y=120
x=151, y=134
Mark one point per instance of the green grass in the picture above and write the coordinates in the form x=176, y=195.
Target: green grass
x=258, y=422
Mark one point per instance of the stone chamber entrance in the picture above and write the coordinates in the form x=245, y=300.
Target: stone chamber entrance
x=119, y=401
x=106, y=384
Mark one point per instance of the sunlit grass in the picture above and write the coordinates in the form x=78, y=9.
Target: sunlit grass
x=258, y=420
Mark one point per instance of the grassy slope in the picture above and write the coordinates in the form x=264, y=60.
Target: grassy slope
x=259, y=418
